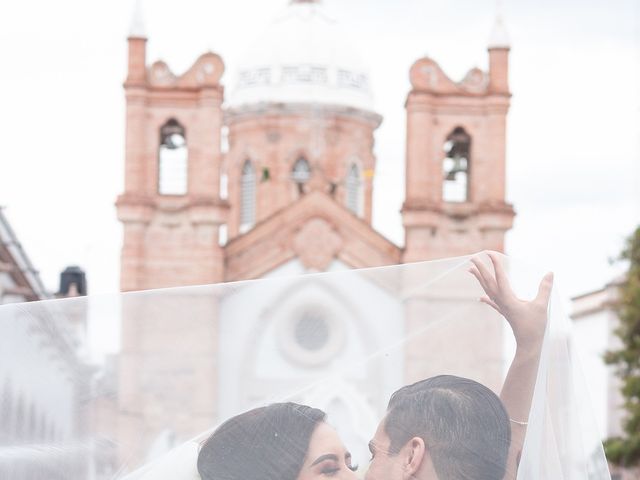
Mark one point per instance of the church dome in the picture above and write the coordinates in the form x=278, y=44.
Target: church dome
x=303, y=57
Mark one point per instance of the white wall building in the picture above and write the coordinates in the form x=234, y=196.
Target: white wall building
x=42, y=378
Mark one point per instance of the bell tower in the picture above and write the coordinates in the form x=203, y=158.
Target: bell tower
x=456, y=159
x=171, y=208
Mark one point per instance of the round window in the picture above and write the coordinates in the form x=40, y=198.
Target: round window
x=311, y=331
x=311, y=334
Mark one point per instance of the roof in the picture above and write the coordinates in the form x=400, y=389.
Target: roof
x=596, y=301
x=316, y=229
x=15, y=262
x=303, y=56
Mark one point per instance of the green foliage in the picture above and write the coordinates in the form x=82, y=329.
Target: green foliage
x=625, y=451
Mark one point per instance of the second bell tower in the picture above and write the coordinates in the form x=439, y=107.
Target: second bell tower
x=456, y=159
x=171, y=208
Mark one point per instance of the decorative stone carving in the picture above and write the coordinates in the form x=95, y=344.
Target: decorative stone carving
x=475, y=81
x=425, y=74
x=316, y=244
x=161, y=74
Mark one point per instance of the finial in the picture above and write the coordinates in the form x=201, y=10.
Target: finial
x=137, y=29
x=292, y=2
x=499, y=37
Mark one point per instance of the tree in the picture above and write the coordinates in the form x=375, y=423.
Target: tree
x=625, y=450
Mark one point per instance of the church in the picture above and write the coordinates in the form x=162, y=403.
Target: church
x=285, y=164
x=273, y=177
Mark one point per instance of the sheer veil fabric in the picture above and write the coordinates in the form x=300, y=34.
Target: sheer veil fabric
x=134, y=385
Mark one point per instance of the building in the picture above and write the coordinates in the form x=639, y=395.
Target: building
x=277, y=178
x=595, y=322
x=43, y=378
x=300, y=129
x=19, y=280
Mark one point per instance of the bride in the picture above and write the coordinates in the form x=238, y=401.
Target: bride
x=283, y=441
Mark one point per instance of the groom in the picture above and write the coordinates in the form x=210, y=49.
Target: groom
x=452, y=428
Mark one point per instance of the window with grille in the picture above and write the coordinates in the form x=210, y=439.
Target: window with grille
x=247, y=197
x=354, y=190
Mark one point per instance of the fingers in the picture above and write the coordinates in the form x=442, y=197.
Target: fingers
x=484, y=276
x=491, y=303
x=544, y=291
x=474, y=271
x=502, y=279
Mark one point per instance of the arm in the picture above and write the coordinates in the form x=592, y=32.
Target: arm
x=528, y=320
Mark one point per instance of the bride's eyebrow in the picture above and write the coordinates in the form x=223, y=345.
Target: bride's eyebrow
x=322, y=458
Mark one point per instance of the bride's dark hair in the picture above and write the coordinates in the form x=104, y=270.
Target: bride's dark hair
x=267, y=443
x=464, y=425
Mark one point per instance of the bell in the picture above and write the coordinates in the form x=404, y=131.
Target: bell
x=174, y=141
x=457, y=165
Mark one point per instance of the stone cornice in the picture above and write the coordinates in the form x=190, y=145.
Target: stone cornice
x=424, y=213
x=237, y=114
x=418, y=101
x=140, y=208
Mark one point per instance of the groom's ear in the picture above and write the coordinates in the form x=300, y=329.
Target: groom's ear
x=414, y=455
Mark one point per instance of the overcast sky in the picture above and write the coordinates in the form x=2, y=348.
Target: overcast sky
x=573, y=130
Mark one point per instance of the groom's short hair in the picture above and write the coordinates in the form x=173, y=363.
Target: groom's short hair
x=463, y=424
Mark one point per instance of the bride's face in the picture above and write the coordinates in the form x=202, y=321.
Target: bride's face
x=327, y=458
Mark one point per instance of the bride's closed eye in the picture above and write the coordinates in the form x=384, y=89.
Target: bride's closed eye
x=331, y=464
x=332, y=470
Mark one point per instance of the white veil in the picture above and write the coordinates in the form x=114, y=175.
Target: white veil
x=132, y=385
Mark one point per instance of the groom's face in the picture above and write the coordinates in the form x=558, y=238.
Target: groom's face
x=384, y=465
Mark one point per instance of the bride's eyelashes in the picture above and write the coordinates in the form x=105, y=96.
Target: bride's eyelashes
x=331, y=471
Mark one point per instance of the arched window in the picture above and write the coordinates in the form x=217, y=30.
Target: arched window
x=173, y=159
x=223, y=235
x=457, y=147
x=354, y=190
x=301, y=173
x=247, y=197
x=224, y=186
x=224, y=139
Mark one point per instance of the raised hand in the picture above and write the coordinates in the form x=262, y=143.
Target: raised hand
x=528, y=319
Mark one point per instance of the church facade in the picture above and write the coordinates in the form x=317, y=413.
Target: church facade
x=300, y=161
x=276, y=178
